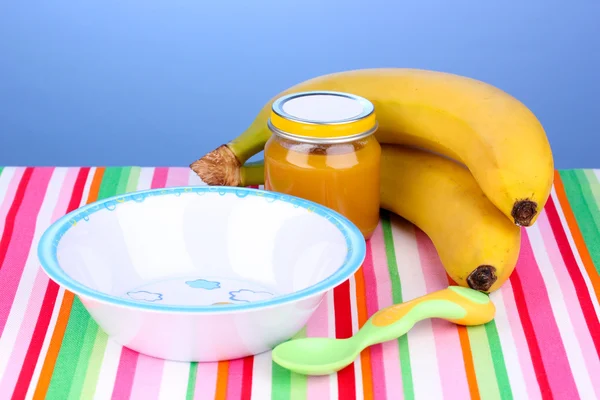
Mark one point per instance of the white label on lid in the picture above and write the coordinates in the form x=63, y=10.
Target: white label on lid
x=323, y=108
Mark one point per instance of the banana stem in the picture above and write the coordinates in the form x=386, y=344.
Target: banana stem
x=252, y=173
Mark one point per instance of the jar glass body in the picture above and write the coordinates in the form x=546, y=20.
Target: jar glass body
x=341, y=176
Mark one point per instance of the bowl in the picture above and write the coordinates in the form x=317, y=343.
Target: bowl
x=201, y=273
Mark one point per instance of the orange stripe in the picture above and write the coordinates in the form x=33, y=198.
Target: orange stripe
x=63, y=315
x=365, y=355
x=95, y=187
x=465, y=345
x=576, y=233
x=54, y=347
x=222, y=372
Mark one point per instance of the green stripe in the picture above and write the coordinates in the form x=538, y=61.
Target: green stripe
x=482, y=360
x=589, y=197
x=70, y=372
x=95, y=364
x=1, y=169
x=594, y=184
x=282, y=379
x=281, y=382
x=298, y=382
x=85, y=353
x=134, y=177
x=498, y=360
x=123, y=180
x=191, y=387
x=390, y=252
x=67, y=360
x=110, y=182
x=583, y=209
x=127, y=178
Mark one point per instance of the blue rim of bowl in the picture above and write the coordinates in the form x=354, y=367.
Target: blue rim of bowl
x=48, y=244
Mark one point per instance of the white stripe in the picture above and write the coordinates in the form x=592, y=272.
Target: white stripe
x=584, y=273
x=423, y=359
x=194, y=180
x=88, y=185
x=108, y=371
x=145, y=180
x=5, y=178
x=333, y=379
x=509, y=350
x=206, y=380
x=561, y=313
x=518, y=335
x=174, y=380
x=355, y=327
x=261, y=376
x=30, y=270
x=40, y=362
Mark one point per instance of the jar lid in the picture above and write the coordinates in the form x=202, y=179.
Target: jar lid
x=323, y=116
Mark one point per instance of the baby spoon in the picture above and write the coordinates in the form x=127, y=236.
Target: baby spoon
x=322, y=356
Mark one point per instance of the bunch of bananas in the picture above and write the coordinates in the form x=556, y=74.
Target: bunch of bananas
x=462, y=160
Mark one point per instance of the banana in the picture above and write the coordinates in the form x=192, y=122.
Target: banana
x=477, y=245
x=497, y=137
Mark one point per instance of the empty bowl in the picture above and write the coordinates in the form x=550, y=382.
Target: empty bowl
x=201, y=273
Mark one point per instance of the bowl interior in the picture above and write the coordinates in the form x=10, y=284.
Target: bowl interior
x=201, y=246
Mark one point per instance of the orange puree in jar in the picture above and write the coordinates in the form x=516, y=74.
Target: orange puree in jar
x=333, y=162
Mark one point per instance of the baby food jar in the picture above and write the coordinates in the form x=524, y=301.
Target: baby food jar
x=323, y=149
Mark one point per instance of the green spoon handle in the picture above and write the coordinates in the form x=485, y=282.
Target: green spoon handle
x=456, y=304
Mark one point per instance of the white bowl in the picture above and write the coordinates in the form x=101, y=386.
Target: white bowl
x=152, y=267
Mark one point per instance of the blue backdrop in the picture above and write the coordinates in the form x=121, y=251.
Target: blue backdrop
x=132, y=82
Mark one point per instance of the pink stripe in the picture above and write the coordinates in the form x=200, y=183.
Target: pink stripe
x=372, y=303
x=206, y=381
x=318, y=387
x=9, y=195
x=518, y=335
x=377, y=371
x=147, y=378
x=234, y=379
x=38, y=292
x=390, y=353
x=447, y=342
x=21, y=241
x=548, y=337
x=159, y=179
x=125, y=374
x=25, y=332
x=177, y=177
x=571, y=301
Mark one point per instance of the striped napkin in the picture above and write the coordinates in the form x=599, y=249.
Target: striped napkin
x=543, y=343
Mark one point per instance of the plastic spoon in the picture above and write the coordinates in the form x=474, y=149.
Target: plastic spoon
x=322, y=356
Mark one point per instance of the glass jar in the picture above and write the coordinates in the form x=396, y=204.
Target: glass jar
x=323, y=149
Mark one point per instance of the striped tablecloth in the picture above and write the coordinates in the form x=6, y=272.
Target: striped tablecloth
x=544, y=342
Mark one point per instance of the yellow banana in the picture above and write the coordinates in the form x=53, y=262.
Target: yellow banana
x=476, y=243
x=497, y=137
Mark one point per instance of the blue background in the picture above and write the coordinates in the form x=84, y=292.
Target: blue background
x=132, y=82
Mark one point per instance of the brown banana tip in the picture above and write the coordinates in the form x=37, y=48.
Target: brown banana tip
x=482, y=278
x=220, y=167
x=523, y=212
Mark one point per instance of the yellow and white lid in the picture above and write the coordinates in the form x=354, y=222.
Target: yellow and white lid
x=322, y=116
